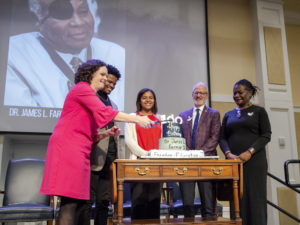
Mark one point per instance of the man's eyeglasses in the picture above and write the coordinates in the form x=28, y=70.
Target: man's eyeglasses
x=200, y=93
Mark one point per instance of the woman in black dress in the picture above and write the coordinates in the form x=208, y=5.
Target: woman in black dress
x=244, y=134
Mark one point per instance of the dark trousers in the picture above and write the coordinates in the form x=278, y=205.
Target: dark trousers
x=100, y=193
x=207, y=193
x=145, y=200
x=69, y=210
x=253, y=205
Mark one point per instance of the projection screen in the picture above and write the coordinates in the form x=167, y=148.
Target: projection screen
x=157, y=44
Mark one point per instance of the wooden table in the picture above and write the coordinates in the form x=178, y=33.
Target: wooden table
x=171, y=170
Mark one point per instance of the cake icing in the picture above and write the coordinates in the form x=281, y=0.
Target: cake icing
x=173, y=145
x=171, y=129
x=172, y=137
x=176, y=154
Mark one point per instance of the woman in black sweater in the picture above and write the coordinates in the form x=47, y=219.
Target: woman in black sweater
x=244, y=134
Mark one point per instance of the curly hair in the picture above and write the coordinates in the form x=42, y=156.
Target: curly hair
x=139, y=97
x=87, y=69
x=114, y=71
x=248, y=86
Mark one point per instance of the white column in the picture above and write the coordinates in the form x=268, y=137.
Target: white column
x=277, y=100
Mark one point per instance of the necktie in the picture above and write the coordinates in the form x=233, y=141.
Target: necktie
x=75, y=62
x=195, y=128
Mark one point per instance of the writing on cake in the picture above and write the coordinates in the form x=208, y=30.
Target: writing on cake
x=176, y=154
x=172, y=144
x=173, y=131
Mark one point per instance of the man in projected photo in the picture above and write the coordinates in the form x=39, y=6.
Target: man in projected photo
x=41, y=65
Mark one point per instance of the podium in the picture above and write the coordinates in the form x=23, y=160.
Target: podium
x=175, y=170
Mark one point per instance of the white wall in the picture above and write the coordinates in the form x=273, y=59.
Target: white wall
x=277, y=99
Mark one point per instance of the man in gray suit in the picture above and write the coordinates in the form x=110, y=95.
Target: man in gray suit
x=201, y=127
x=102, y=157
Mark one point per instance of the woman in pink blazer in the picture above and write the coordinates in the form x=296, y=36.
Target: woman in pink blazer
x=67, y=168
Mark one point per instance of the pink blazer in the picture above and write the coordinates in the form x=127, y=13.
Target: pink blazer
x=67, y=168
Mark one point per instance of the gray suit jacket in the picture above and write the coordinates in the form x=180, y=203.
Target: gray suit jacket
x=208, y=130
x=98, y=154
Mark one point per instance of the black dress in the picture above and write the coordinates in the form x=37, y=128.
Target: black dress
x=242, y=129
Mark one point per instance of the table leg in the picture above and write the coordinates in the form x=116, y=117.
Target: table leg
x=236, y=199
x=120, y=200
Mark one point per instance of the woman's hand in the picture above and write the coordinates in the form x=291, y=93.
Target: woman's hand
x=245, y=156
x=99, y=137
x=229, y=155
x=144, y=121
x=114, y=131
